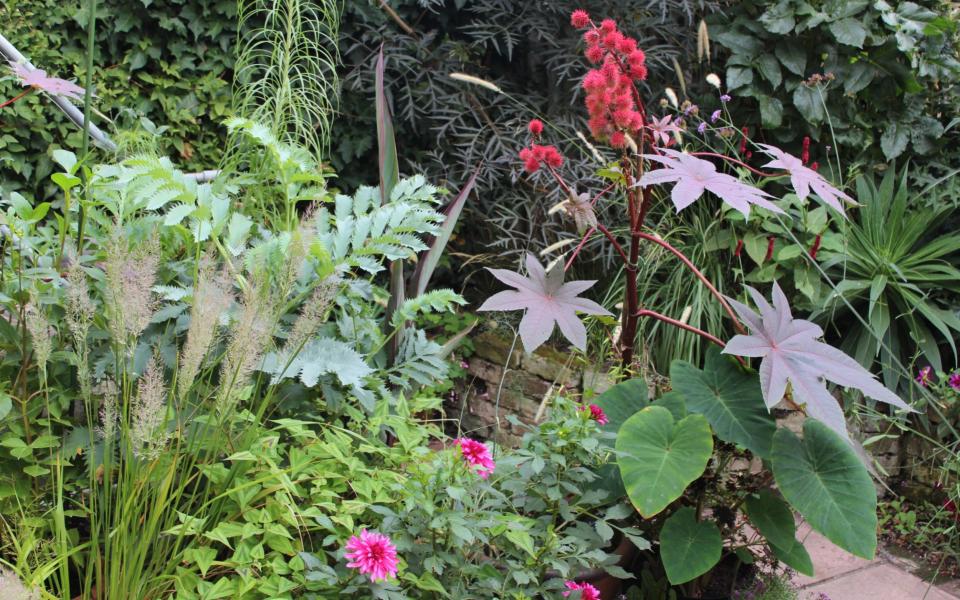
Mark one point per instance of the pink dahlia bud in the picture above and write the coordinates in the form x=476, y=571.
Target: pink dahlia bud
x=478, y=455
x=579, y=18
x=372, y=554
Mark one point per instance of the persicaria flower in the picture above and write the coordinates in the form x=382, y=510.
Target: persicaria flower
x=587, y=591
x=372, y=554
x=715, y=116
x=702, y=127
x=923, y=376
x=535, y=126
x=597, y=414
x=579, y=18
x=725, y=98
x=954, y=381
x=478, y=455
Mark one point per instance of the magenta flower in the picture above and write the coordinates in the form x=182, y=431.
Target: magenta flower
x=478, y=455
x=597, y=414
x=715, y=116
x=725, y=98
x=954, y=381
x=694, y=176
x=702, y=127
x=923, y=376
x=38, y=79
x=663, y=128
x=372, y=554
x=804, y=179
x=587, y=591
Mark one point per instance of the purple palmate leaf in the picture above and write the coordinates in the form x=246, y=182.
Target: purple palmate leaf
x=694, y=175
x=803, y=179
x=792, y=352
x=547, y=300
x=38, y=79
x=664, y=129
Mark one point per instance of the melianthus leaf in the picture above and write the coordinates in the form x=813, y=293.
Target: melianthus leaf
x=803, y=179
x=38, y=78
x=792, y=352
x=547, y=300
x=694, y=175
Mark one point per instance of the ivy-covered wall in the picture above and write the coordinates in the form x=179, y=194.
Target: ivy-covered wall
x=166, y=60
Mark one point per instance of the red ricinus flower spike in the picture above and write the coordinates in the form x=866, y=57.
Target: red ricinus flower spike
x=744, y=139
x=579, y=18
x=535, y=155
x=611, y=98
x=535, y=127
x=815, y=166
x=805, y=151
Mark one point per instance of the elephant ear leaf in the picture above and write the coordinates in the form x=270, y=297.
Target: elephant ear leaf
x=792, y=351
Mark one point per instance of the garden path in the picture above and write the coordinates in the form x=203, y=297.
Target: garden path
x=842, y=576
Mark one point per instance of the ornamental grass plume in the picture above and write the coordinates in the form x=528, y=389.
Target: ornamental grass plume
x=249, y=338
x=313, y=314
x=212, y=295
x=587, y=591
x=148, y=434
x=41, y=334
x=477, y=454
x=79, y=316
x=372, y=554
x=130, y=275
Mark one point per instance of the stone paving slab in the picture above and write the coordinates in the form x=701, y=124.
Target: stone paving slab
x=829, y=561
x=878, y=581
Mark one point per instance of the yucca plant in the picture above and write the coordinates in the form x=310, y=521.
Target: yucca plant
x=897, y=273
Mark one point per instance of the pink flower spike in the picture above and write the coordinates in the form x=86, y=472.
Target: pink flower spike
x=804, y=179
x=478, y=455
x=587, y=591
x=923, y=377
x=694, y=175
x=38, y=79
x=372, y=554
x=954, y=381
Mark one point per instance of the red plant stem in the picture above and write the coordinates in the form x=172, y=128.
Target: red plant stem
x=815, y=248
x=576, y=251
x=770, y=242
x=654, y=314
x=689, y=264
x=616, y=244
x=741, y=163
x=17, y=97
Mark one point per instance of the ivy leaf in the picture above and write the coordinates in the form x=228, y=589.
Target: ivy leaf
x=808, y=101
x=792, y=56
x=894, y=140
x=849, y=31
x=738, y=77
x=792, y=352
x=547, y=300
x=770, y=69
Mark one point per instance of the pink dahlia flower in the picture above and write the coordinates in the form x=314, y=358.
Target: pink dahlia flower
x=478, y=455
x=597, y=414
x=372, y=554
x=954, y=381
x=587, y=591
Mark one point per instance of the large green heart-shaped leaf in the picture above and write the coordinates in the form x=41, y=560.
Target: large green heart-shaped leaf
x=621, y=401
x=659, y=458
x=729, y=398
x=688, y=548
x=774, y=520
x=825, y=481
